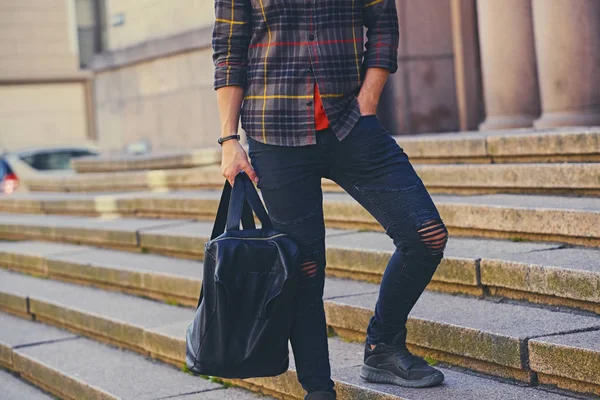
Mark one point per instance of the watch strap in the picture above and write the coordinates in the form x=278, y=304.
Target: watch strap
x=226, y=138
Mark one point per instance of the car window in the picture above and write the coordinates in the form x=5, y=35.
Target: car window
x=56, y=160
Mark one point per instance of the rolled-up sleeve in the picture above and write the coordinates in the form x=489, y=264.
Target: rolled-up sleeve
x=230, y=40
x=381, y=19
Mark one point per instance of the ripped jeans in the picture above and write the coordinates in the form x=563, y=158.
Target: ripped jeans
x=375, y=171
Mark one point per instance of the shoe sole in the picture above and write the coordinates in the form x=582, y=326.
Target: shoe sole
x=375, y=375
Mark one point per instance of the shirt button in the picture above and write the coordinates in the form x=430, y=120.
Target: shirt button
x=311, y=37
x=309, y=70
x=309, y=103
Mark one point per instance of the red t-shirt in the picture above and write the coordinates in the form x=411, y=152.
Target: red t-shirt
x=321, y=120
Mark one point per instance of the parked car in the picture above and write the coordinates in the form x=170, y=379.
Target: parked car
x=8, y=179
x=17, y=167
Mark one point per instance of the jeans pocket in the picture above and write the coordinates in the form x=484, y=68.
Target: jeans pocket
x=369, y=123
x=257, y=147
x=368, y=116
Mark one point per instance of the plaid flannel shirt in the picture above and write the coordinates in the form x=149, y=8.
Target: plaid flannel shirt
x=278, y=49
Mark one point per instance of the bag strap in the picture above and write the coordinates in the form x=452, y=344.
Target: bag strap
x=244, y=192
x=200, y=297
x=222, y=213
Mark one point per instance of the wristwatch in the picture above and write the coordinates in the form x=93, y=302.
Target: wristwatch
x=226, y=138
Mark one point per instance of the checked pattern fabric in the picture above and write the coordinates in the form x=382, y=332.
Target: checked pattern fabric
x=278, y=49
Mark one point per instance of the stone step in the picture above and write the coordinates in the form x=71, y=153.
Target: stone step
x=73, y=367
x=107, y=232
x=167, y=160
x=174, y=281
x=207, y=177
x=197, y=177
x=516, y=217
x=512, y=146
x=158, y=330
x=557, y=179
x=553, y=357
x=14, y=388
x=566, y=178
x=536, y=272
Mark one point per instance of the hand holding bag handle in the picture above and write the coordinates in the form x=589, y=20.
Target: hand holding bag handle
x=245, y=193
x=222, y=213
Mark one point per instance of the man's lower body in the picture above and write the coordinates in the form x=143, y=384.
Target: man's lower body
x=373, y=169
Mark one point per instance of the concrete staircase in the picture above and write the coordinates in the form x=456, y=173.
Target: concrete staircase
x=513, y=311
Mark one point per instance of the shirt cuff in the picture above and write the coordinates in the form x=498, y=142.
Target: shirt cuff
x=381, y=57
x=230, y=76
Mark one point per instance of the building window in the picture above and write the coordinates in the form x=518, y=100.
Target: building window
x=91, y=29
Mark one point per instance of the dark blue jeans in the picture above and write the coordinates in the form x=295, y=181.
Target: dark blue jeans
x=373, y=169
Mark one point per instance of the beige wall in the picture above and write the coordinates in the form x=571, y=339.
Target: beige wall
x=168, y=101
x=147, y=19
x=43, y=98
x=37, y=38
x=42, y=114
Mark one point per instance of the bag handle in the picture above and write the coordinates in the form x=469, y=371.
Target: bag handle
x=244, y=193
x=222, y=213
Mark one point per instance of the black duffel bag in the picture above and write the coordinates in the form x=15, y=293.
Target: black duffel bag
x=245, y=309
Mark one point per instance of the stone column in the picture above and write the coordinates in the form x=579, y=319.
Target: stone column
x=421, y=95
x=510, y=83
x=567, y=36
x=467, y=69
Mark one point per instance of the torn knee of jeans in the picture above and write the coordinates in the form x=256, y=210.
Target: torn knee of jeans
x=434, y=236
x=309, y=269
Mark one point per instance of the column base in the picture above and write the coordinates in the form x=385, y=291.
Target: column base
x=556, y=119
x=497, y=122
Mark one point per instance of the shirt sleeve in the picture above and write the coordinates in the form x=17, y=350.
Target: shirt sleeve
x=381, y=19
x=230, y=40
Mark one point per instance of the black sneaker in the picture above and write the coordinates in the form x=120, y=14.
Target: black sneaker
x=397, y=366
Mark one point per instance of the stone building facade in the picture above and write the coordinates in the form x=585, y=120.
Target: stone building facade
x=122, y=71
